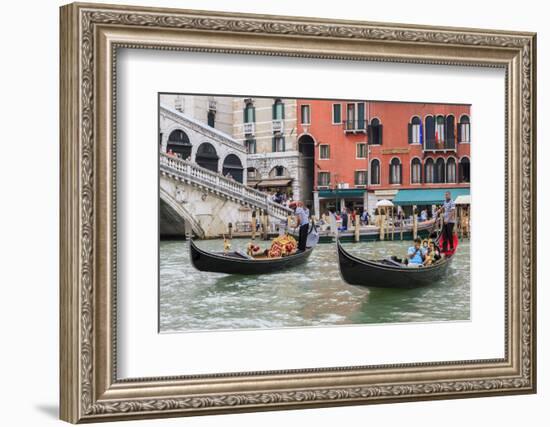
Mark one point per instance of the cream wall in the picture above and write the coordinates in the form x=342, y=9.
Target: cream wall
x=197, y=106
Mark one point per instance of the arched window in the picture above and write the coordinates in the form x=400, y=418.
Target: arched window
x=439, y=175
x=207, y=157
x=178, y=142
x=416, y=171
x=375, y=172
x=429, y=171
x=415, y=131
x=395, y=171
x=450, y=131
x=278, y=171
x=464, y=129
x=249, y=113
x=439, y=131
x=233, y=168
x=464, y=170
x=374, y=132
x=278, y=110
x=451, y=169
x=429, y=138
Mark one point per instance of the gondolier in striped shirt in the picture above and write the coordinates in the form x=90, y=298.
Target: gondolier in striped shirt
x=449, y=217
x=302, y=218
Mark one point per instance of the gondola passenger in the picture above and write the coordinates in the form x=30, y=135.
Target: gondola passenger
x=433, y=254
x=416, y=254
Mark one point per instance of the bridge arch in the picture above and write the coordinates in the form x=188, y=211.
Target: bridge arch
x=179, y=143
x=233, y=166
x=207, y=157
x=172, y=213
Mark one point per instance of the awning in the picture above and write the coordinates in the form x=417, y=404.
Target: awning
x=341, y=193
x=463, y=199
x=432, y=196
x=274, y=183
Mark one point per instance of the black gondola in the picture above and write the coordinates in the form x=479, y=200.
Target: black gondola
x=240, y=263
x=388, y=273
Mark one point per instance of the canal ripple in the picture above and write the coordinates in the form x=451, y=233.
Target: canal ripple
x=310, y=295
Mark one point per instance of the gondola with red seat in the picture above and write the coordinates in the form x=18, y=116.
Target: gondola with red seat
x=389, y=273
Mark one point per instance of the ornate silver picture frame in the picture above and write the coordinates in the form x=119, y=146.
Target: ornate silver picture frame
x=90, y=36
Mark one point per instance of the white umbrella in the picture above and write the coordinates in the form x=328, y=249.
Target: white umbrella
x=384, y=203
x=463, y=199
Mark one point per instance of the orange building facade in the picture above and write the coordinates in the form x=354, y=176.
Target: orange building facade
x=365, y=151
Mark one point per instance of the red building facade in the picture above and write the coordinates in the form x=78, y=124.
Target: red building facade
x=365, y=151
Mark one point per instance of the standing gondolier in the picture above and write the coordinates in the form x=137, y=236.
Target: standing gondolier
x=302, y=218
x=449, y=217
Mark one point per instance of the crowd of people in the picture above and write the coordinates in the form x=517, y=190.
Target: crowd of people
x=282, y=198
x=346, y=217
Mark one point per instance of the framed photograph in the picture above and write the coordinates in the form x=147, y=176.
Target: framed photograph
x=269, y=212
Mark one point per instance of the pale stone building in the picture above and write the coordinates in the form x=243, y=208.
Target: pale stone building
x=267, y=128
x=214, y=111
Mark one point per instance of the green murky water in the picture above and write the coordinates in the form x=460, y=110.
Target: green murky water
x=313, y=294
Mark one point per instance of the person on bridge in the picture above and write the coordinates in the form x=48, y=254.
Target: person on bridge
x=302, y=219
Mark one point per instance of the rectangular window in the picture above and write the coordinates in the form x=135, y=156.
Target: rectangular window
x=305, y=114
x=361, y=151
x=278, y=113
x=336, y=114
x=278, y=143
x=249, y=114
x=324, y=179
x=360, y=115
x=350, y=117
x=360, y=177
x=324, y=151
x=211, y=119
x=251, y=146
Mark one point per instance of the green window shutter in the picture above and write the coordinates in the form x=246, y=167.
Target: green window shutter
x=369, y=134
x=284, y=143
x=244, y=115
x=380, y=134
x=254, y=114
x=361, y=115
x=283, y=111
x=273, y=144
x=337, y=112
x=274, y=111
x=410, y=133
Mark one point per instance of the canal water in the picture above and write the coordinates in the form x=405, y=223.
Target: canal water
x=313, y=294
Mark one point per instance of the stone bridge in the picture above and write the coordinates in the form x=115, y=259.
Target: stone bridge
x=192, y=197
